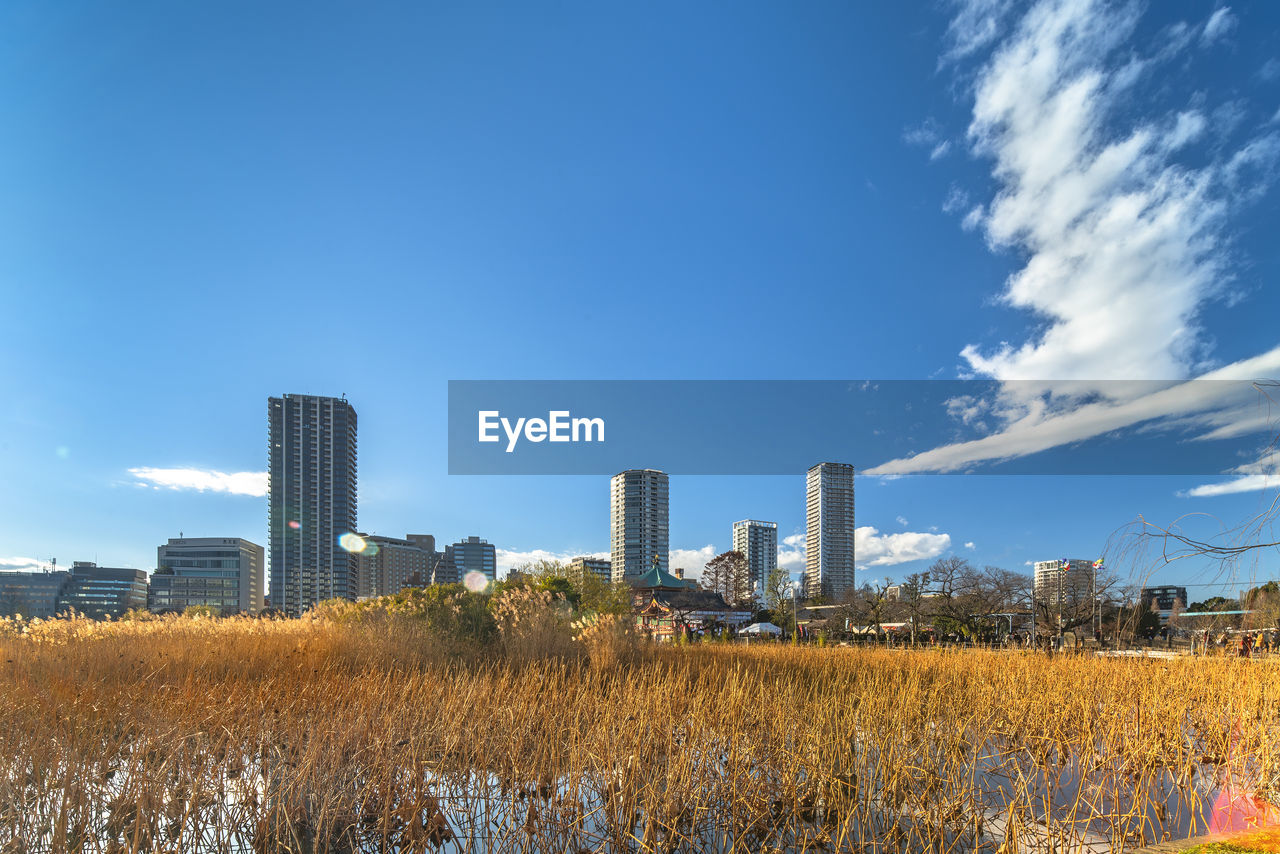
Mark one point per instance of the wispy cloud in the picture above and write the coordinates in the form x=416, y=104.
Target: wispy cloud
x=971, y=545
x=1220, y=23
x=977, y=23
x=1124, y=241
x=1247, y=483
x=252, y=483
x=1262, y=474
x=929, y=135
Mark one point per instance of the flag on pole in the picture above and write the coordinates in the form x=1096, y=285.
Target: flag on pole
x=1066, y=564
x=1097, y=564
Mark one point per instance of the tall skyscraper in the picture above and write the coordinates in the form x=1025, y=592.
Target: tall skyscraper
x=638, y=523
x=828, y=545
x=223, y=573
x=312, y=500
x=758, y=542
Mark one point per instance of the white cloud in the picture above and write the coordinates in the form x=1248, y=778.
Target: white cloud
x=791, y=554
x=1219, y=24
x=204, y=480
x=22, y=564
x=875, y=549
x=509, y=559
x=902, y=520
x=1247, y=483
x=970, y=545
x=691, y=560
x=1123, y=243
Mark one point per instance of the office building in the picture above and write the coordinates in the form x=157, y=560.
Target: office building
x=100, y=592
x=829, y=531
x=388, y=565
x=638, y=523
x=311, y=495
x=222, y=573
x=758, y=542
x=31, y=594
x=470, y=555
x=1073, y=578
x=580, y=567
x=1165, y=598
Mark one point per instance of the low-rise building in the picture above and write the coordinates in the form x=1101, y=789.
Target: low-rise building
x=102, y=592
x=222, y=573
x=599, y=567
x=665, y=606
x=470, y=555
x=388, y=565
x=31, y=594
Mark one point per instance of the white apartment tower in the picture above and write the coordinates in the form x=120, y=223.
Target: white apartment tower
x=758, y=542
x=1072, y=577
x=828, y=547
x=638, y=523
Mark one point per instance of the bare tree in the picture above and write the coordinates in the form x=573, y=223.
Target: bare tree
x=870, y=605
x=1226, y=546
x=728, y=574
x=912, y=602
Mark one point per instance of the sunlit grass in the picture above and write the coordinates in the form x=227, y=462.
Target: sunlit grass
x=379, y=735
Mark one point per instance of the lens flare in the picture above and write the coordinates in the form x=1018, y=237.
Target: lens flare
x=474, y=581
x=295, y=524
x=353, y=543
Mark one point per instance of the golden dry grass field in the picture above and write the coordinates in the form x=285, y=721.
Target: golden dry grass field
x=188, y=734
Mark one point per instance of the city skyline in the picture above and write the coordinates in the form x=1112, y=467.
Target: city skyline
x=853, y=194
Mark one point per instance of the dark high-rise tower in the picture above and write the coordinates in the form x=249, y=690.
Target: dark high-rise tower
x=829, y=530
x=312, y=500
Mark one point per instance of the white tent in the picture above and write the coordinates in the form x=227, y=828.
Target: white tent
x=760, y=629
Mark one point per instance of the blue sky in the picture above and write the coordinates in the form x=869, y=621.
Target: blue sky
x=205, y=206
